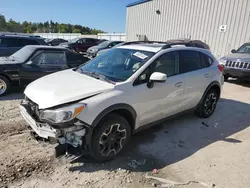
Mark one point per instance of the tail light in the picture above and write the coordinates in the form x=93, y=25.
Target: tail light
x=221, y=68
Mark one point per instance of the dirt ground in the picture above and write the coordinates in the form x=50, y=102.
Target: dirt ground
x=215, y=151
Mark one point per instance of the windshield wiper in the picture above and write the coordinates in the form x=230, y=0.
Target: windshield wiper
x=103, y=77
x=97, y=76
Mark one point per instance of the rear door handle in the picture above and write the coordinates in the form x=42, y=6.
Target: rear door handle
x=207, y=75
x=178, y=84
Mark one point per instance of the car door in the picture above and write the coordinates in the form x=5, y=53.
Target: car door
x=83, y=44
x=163, y=99
x=42, y=63
x=194, y=66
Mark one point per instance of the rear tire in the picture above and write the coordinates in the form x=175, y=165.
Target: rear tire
x=207, y=106
x=4, y=85
x=110, y=137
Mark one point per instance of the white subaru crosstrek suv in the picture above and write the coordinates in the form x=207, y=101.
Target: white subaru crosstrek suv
x=99, y=105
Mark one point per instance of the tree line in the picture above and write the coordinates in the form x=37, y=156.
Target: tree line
x=43, y=27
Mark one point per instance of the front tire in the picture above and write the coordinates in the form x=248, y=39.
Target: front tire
x=4, y=85
x=207, y=106
x=110, y=137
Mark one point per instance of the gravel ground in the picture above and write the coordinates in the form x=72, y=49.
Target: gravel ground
x=215, y=151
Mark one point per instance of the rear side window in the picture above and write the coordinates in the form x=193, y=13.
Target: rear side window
x=10, y=42
x=189, y=61
x=206, y=60
x=24, y=42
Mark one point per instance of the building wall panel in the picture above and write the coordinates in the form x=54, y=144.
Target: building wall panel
x=195, y=19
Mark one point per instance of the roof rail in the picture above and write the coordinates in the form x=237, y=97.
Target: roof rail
x=144, y=42
x=19, y=34
x=170, y=43
x=187, y=43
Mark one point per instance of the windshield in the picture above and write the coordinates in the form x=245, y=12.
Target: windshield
x=74, y=40
x=23, y=53
x=117, y=64
x=244, y=49
x=104, y=44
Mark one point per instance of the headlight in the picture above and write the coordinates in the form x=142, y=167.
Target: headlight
x=62, y=115
x=222, y=61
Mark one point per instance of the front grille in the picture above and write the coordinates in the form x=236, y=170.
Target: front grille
x=239, y=65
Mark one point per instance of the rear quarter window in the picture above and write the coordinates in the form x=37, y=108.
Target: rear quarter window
x=206, y=60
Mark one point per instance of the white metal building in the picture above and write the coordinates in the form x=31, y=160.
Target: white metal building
x=222, y=24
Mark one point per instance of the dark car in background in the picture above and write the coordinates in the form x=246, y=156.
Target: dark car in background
x=92, y=51
x=237, y=64
x=55, y=42
x=33, y=62
x=12, y=42
x=80, y=44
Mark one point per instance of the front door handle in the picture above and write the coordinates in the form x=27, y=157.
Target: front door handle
x=178, y=84
x=207, y=75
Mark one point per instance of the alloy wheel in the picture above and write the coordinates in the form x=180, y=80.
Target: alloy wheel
x=210, y=103
x=3, y=86
x=112, y=140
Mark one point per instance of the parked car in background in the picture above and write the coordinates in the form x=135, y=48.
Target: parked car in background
x=55, y=42
x=12, y=42
x=106, y=50
x=92, y=51
x=237, y=64
x=32, y=62
x=98, y=106
x=80, y=44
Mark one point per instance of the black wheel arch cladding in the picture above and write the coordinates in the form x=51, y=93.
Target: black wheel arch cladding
x=122, y=107
x=213, y=85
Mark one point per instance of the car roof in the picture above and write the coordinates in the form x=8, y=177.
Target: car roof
x=34, y=47
x=21, y=37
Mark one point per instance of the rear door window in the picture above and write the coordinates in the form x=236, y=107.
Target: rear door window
x=10, y=42
x=25, y=42
x=190, y=61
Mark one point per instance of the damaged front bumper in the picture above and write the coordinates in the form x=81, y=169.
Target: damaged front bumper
x=76, y=134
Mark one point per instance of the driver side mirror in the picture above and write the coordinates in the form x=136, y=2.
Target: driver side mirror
x=233, y=51
x=157, y=77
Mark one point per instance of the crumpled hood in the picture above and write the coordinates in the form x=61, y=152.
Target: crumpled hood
x=240, y=56
x=8, y=60
x=63, y=87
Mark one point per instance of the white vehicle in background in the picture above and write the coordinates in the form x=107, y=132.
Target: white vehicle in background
x=98, y=106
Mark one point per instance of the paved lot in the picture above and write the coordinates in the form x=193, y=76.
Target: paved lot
x=216, y=151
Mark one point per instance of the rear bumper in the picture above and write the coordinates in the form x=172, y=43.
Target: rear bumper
x=236, y=72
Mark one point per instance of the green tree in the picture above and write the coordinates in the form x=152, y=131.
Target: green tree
x=2, y=23
x=40, y=27
x=76, y=30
